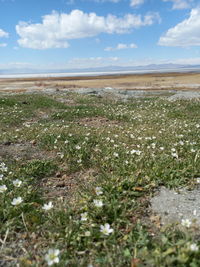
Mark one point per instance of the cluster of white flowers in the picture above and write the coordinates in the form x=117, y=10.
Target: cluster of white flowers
x=104, y=229
x=3, y=167
x=186, y=223
x=16, y=183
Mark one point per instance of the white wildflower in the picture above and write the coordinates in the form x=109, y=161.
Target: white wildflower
x=98, y=203
x=52, y=256
x=3, y=188
x=1, y=177
x=116, y=155
x=48, y=206
x=105, y=229
x=194, y=247
x=174, y=155
x=186, y=222
x=17, y=183
x=84, y=216
x=153, y=145
x=98, y=191
x=3, y=167
x=16, y=201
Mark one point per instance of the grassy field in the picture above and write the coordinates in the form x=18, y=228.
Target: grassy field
x=76, y=177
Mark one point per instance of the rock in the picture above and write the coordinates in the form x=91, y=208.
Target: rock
x=174, y=206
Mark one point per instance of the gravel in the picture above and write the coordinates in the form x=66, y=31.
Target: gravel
x=173, y=206
x=184, y=95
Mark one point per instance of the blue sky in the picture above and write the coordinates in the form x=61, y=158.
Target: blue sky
x=54, y=34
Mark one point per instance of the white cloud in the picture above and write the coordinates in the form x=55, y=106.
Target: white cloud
x=3, y=33
x=121, y=47
x=56, y=29
x=135, y=3
x=180, y=4
x=186, y=33
x=3, y=44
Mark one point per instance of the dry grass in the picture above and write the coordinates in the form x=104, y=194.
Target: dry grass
x=158, y=81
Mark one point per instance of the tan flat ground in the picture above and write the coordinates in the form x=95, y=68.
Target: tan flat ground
x=156, y=81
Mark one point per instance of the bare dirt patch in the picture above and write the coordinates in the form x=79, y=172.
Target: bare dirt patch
x=22, y=151
x=66, y=185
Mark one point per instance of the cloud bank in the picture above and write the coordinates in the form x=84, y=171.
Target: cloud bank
x=184, y=34
x=56, y=29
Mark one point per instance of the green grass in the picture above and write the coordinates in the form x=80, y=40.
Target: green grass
x=141, y=145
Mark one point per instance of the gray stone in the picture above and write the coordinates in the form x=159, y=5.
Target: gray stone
x=173, y=206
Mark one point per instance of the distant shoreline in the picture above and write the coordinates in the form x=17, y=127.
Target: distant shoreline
x=169, y=81
x=95, y=74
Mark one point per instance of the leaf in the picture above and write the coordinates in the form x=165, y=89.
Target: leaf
x=127, y=253
x=169, y=251
x=138, y=188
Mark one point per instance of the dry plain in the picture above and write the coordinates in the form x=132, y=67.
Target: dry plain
x=155, y=81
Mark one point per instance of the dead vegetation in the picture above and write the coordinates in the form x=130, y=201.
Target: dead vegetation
x=155, y=81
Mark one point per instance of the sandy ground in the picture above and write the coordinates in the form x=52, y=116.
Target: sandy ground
x=158, y=81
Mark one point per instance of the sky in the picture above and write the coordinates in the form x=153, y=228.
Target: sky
x=66, y=34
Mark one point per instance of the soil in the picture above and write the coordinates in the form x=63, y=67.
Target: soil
x=66, y=186
x=22, y=151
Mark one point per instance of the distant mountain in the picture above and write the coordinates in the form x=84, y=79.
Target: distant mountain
x=108, y=69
